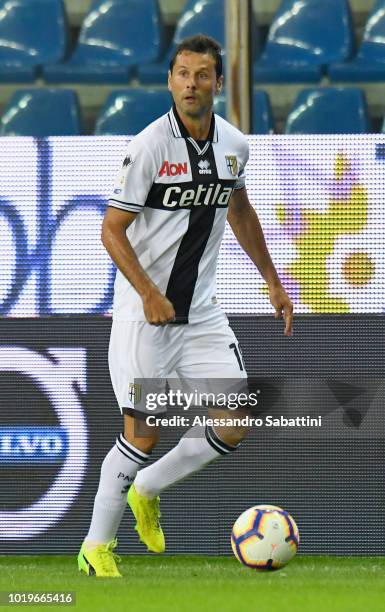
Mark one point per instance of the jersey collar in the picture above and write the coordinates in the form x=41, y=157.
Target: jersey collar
x=179, y=130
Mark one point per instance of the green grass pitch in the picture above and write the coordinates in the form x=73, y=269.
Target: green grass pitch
x=200, y=584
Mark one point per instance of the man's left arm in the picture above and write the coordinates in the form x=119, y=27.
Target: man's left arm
x=248, y=231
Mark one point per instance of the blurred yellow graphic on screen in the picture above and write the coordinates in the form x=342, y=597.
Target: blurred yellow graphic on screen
x=315, y=244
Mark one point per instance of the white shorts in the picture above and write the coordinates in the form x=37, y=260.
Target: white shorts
x=207, y=352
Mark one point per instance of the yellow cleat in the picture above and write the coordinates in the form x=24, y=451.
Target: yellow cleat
x=147, y=514
x=99, y=561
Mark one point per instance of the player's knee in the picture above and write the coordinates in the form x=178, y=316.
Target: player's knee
x=140, y=435
x=145, y=444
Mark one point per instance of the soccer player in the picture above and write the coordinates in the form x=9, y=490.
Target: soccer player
x=182, y=177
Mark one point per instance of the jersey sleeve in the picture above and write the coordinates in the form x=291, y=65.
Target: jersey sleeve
x=135, y=178
x=241, y=178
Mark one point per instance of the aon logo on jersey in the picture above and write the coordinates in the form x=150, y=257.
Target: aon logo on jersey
x=211, y=195
x=173, y=169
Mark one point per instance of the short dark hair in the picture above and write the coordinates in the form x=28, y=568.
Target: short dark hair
x=200, y=44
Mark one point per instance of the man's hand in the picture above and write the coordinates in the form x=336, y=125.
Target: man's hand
x=158, y=310
x=283, y=307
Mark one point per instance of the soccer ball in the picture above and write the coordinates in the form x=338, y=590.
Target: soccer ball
x=265, y=537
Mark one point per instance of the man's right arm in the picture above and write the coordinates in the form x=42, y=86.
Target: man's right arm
x=158, y=310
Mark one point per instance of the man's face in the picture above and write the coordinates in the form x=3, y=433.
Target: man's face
x=193, y=83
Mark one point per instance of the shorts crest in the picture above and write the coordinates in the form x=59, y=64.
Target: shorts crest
x=134, y=392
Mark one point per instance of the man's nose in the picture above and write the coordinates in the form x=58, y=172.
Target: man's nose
x=191, y=82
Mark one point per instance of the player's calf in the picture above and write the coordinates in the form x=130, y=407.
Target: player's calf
x=231, y=434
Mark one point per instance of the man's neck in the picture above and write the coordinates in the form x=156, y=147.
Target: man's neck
x=198, y=128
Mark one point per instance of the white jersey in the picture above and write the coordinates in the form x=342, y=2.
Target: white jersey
x=180, y=189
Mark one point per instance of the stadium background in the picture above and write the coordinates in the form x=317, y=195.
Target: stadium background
x=320, y=202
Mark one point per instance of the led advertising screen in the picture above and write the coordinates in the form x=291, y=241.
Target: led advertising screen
x=319, y=199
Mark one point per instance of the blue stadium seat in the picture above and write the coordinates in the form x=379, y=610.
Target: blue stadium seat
x=116, y=35
x=369, y=64
x=304, y=38
x=262, y=121
x=198, y=17
x=329, y=111
x=129, y=111
x=41, y=112
x=32, y=32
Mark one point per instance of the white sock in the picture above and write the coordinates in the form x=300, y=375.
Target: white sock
x=118, y=472
x=198, y=447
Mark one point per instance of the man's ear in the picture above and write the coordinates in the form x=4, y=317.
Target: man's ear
x=219, y=85
x=168, y=80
